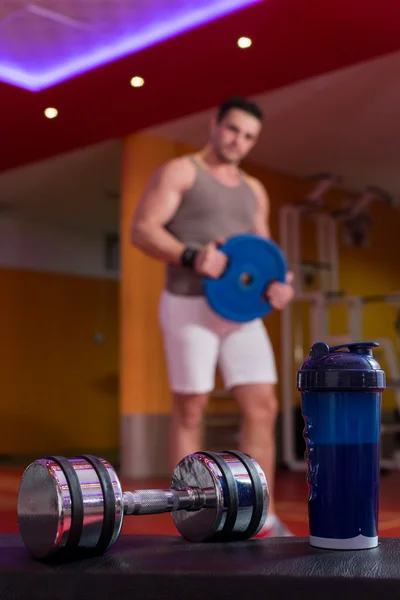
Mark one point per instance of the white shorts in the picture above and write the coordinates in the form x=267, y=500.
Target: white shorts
x=197, y=340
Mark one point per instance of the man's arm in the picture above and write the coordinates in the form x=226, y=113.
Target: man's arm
x=261, y=220
x=157, y=205
x=279, y=294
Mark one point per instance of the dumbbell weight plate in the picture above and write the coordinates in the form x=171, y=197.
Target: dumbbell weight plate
x=45, y=498
x=208, y=524
x=260, y=507
x=252, y=492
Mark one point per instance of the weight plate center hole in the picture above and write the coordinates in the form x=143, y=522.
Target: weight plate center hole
x=246, y=279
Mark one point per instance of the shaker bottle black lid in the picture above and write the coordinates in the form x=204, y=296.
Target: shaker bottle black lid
x=337, y=369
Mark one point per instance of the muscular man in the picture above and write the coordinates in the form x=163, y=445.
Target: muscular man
x=189, y=206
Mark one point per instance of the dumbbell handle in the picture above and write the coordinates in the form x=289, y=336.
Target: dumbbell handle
x=151, y=502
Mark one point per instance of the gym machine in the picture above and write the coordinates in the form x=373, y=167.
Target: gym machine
x=323, y=276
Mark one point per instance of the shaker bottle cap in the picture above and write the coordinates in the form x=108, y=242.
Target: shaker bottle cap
x=348, y=366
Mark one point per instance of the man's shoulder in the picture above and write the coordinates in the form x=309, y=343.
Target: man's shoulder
x=184, y=162
x=178, y=173
x=179, y=168
x=256, y=185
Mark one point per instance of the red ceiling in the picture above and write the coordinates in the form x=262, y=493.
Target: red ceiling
x=292, y=40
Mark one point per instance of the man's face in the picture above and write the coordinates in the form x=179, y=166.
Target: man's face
x=234, y=136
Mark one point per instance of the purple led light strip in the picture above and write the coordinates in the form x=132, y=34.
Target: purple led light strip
x=16, y=75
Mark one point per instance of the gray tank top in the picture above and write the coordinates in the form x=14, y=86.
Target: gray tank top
x=209, y=210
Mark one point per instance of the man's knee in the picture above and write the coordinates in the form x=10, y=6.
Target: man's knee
x=258, y=403
x=263, y=408
x=189, y=409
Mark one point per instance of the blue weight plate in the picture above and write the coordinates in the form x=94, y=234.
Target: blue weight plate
x=254, y=262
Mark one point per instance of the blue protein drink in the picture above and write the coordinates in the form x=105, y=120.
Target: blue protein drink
x=341, y=394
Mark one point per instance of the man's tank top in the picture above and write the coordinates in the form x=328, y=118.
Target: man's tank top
x=209, y=210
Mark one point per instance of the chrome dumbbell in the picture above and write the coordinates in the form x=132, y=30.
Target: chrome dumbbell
x=74, y=507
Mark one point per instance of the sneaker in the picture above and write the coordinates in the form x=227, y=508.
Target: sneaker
x=273, y=527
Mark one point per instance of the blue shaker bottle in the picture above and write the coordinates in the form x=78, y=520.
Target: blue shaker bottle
x=341, y=394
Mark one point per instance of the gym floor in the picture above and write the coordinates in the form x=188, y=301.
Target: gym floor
x=291, y=496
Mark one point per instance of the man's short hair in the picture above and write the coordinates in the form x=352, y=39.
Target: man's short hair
x=242, y=104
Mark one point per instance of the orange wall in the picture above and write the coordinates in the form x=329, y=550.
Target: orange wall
x=143, y=378
x=59, y=389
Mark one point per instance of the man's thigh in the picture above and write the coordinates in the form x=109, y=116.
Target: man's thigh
x=247, y=357
x=191, y=346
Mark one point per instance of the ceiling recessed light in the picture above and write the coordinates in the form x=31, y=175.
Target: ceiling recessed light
x=244, y=42
x=137, y=81
x=51, y=113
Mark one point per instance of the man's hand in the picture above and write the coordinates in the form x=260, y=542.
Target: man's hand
x=280, y=294
x=211, y=262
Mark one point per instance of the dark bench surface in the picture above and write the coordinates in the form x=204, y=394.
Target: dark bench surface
x=155, y=567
